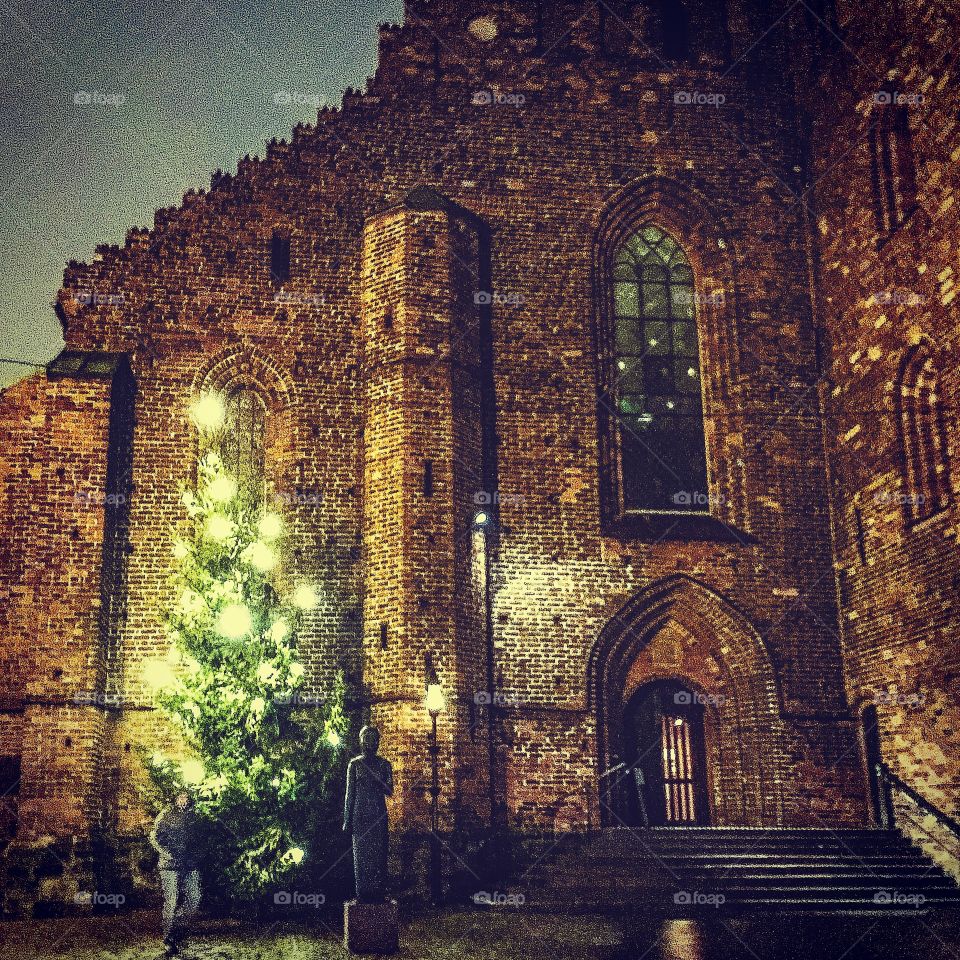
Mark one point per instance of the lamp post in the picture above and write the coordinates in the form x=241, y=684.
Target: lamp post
x=435, y=704
x=483, y=529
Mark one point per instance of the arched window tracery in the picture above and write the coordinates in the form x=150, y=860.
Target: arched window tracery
x=242, y=443
x=655, y=378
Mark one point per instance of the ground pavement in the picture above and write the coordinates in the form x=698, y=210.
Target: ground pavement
x=506, y=935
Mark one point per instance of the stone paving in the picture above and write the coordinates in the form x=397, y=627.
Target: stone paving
x=507, y=936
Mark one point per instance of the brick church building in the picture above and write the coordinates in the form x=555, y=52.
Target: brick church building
x=602, y=360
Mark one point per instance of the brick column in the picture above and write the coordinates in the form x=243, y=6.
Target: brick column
x=423, y=466
x=59, y=614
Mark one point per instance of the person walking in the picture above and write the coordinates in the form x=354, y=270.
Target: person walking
x=175, y=837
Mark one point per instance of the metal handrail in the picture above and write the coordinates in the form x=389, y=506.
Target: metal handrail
x=586, y=790
x=889, y=782
x=583, y=789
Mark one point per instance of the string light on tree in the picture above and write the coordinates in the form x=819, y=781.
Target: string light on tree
x=218, y=528
x=192, y=771
x=270, y=526
x=158, y=675
x=234, y=621
x=261, y=557
x=294, y=855
x=208, y=412
x=222, y=489
x=264, y=768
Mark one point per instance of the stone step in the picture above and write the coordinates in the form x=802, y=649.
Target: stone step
x=719, y=866
x=759, y=845
x=704, y=863
x=796, y=869
x=680, y=831
x=824, y=843
x=878, y=872
x=840, y=845
x=771, y=849
x=795, y=856
x=617, y=904
x=839, y=878
x=899, y=885
x=839, y=875
x=828, y=884
x=880, y=837
x=841, y=897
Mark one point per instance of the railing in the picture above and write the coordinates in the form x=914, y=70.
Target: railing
x=889, y=783
x=587, y=797
x=584, y=791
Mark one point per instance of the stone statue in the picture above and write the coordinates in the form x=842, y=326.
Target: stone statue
x=369, y=783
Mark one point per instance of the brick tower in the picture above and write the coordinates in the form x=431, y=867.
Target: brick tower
x=424, y=465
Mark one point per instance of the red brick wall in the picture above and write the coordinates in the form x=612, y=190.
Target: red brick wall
x=550, y=152
x=56, y=495
x=881, y=293
x=23, y=417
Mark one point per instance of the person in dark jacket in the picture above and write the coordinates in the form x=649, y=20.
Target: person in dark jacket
x=176, y=835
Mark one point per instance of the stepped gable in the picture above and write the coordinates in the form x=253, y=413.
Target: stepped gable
x=415, y=74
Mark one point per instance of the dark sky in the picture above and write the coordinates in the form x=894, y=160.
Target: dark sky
x=177, y=88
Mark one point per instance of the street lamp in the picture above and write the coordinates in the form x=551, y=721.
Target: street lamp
x=483, y=527
x=482, y=521
x=435, y=704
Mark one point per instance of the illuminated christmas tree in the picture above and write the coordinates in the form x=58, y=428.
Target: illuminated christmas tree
x=264, y=761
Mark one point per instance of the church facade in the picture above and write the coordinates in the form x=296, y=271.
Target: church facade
x=602, y=363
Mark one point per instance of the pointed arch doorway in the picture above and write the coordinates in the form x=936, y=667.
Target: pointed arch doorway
x=677, y=640
x=665, y=754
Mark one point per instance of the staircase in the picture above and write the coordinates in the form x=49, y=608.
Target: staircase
x=700, y=870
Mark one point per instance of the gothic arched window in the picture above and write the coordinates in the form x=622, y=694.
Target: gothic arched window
x=923, y=433
x=242, y=444
x=655, y=381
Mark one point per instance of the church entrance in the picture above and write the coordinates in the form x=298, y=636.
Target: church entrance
x=687, y=713
x=665, y=757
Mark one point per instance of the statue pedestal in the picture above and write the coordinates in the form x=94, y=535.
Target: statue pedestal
x=371, y=927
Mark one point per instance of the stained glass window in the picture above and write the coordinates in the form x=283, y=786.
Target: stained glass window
x=656, y=376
